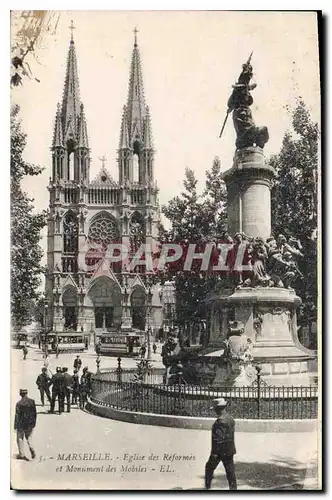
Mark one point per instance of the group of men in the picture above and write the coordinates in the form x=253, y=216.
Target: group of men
x=70, y=389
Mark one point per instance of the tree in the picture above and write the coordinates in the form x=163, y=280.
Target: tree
x=294, y=200
x=26, y=225
x=215, y=200
x=198, y=219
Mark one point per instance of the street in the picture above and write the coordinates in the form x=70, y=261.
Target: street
x=77, y=448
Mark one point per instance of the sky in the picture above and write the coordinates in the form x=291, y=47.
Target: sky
x=189, y=60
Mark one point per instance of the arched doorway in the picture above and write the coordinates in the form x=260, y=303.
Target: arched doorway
x=138, y=308
x=69, y=301
x=105, y=295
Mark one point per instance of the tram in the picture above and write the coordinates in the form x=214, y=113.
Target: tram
x=116, y=343
x=62, y=342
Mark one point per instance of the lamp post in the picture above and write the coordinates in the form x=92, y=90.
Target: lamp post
x=45, y=325
x=149, y=305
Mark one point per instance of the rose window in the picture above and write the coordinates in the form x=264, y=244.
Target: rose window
x=103, y=231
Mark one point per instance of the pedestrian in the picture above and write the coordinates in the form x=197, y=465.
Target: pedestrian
x=143, y=351
x=223, y=445
x=25, y=422
x=57, y=350
x=58, y=390
x=98, y=346
x=77, y=363
x=154, y=347
x=25, y=352
x=85, y=387
x=68, y=386
x=76, y=388
x=43, y=383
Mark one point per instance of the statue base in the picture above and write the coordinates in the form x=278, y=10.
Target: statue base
x=269, y=319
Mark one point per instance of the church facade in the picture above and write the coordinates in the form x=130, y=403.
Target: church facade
x=86, y=290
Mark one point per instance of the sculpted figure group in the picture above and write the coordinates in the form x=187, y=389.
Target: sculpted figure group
x=273, y=262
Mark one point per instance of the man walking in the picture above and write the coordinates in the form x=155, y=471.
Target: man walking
x=85, y=387
x=25, y=352
x=76, y=388
x=223, y=446
x=25, y=421
x=77, y=363
x=58, y=390
x=68, y=386
x=43, y=382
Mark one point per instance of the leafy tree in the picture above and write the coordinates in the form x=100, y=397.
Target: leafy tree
x=215, y=200
x=294, y=200
x=25, y=231
x=198, y=219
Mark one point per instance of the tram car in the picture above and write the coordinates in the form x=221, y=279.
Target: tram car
x=63, y=342
x=117, y=343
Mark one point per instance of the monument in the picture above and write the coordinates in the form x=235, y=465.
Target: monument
x=262, y=298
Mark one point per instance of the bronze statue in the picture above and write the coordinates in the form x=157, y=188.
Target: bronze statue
x=247, y=134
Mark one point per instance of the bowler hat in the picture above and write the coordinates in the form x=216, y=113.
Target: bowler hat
x=219, y=403
x=23, y=392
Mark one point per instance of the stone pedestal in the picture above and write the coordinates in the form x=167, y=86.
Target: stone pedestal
x=248, y=193
x=269, y=318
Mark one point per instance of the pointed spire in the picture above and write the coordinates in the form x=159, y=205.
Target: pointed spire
x=147, y=133
x=58, y=135
x=124, y=136
x=135, y=102
x=83, y=141
x=71, y=95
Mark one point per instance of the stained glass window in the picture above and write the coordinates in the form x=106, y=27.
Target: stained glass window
x=103, y=231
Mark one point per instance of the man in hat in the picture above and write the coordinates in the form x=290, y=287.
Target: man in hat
x=85, y=387
x=223, y=446
x=77, y=363
x=25, y=421
x=68, y=386
x=58, y=390
x=76, y=388
x=43, y=382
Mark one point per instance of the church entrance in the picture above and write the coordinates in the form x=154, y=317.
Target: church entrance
x=138, y=308
x=105, y=295
x=104, y=317
x=69, y=300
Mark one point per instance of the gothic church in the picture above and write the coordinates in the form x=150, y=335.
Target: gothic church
x=84, y=290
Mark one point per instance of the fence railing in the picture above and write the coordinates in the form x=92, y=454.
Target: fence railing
x=255, y=402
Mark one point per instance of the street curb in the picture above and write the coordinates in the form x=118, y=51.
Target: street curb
x=200, y=423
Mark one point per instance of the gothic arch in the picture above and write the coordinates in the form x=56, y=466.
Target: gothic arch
x=137, y=230
x=138, y=308
x=104, y=295
x=70, y=306
x=70, y=242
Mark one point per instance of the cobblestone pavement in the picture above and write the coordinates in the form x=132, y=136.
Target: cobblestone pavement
x=144, y=457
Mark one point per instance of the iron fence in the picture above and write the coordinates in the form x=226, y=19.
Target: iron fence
x=255, y=402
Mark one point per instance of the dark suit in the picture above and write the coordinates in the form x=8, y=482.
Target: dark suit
x=77, y=364
x=76, y=389
x=68, y=388
x=222, y=450
x=58, y=391
x=25, y=421
x=43, y=382
x=85, y=388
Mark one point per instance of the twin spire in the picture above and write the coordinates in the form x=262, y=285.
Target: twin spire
x=70, y=122
x=136, y=124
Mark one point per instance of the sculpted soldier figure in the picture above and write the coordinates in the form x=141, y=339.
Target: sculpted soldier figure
x=247, y=133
